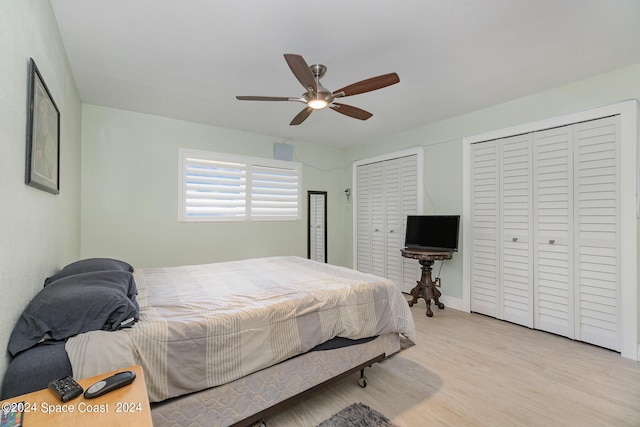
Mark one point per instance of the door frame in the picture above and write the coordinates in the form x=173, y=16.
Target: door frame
x=629, y=207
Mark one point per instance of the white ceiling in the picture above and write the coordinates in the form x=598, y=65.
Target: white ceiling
x=189, y=59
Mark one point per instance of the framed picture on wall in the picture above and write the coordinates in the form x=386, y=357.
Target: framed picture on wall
x=43, y=135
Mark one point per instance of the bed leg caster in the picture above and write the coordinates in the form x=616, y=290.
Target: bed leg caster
x=362, y=381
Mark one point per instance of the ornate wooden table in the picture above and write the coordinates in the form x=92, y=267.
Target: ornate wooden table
x=426, y=287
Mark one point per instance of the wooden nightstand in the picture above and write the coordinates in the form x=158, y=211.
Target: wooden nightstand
x=127, y=406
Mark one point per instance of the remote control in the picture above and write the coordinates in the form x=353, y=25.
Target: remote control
x=66, y=388
x=111, y=383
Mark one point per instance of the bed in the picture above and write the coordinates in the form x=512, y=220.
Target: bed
x=228, y=341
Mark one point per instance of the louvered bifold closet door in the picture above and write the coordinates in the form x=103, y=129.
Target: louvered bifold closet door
x=516, y=219
x=393, y=220
x=387, y=191
x=553, y=225
x=485, y=190
x=363, y=225
x=409, y=206
x=597, y=232
x=378, y=209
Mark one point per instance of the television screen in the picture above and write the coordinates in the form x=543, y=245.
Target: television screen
x=432, y=232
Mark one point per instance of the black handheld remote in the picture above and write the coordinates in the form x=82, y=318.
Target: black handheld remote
x=111, y=383
x=66, y=388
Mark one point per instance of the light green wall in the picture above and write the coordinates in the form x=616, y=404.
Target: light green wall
x=39, y=231
x=130, y=193
x=442, y=143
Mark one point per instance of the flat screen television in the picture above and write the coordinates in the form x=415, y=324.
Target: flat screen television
x=432, y=232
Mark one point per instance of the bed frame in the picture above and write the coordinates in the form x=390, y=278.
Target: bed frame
x=253, y=398
x=260, y=416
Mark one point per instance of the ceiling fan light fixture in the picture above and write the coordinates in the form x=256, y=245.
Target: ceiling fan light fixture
x=317, y=100
x=317, y=103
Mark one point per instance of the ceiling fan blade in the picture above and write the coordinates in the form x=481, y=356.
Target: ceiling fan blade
x=348, y=110
x=301, y=70
x=368, y=85
x=265, y=98
x=302, y=116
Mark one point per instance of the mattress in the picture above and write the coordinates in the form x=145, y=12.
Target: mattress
x=203, y=326
x=238, y=400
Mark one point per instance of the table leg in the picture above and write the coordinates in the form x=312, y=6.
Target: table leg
x=416, y=293
x=426, y=289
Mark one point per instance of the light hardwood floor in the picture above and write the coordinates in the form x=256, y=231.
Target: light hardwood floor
x=471, y=370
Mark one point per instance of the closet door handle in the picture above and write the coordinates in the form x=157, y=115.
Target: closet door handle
x=551, y=242
x=515, y=239
x=390, y=231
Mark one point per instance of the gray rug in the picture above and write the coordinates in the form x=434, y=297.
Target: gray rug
x=357, y=415
x=405, y=343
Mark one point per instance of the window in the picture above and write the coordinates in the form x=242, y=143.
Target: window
x=223, y=187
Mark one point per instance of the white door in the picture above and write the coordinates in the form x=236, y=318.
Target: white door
x=363, y=224
x=485, y=190
x=378, y=208
x=553, y=228
x=577, y=253
x=502, y=273
x=317, y=233
x=400, y=189
x=516, y=274
x=409, y=206
x=387, y=191
x=597, y=232
x=393, y=220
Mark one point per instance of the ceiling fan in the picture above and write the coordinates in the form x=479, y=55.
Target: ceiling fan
x=318, y=97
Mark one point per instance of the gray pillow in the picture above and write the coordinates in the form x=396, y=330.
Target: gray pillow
x=89, y=265
x=72, y=305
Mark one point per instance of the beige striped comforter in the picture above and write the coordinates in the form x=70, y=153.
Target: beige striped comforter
x=206, y=325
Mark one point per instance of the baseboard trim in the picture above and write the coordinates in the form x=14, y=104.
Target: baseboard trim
x=451, y=302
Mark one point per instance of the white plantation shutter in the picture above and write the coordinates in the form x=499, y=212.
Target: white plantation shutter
x=214, y=189
x=274, y=192
x=218, y=187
